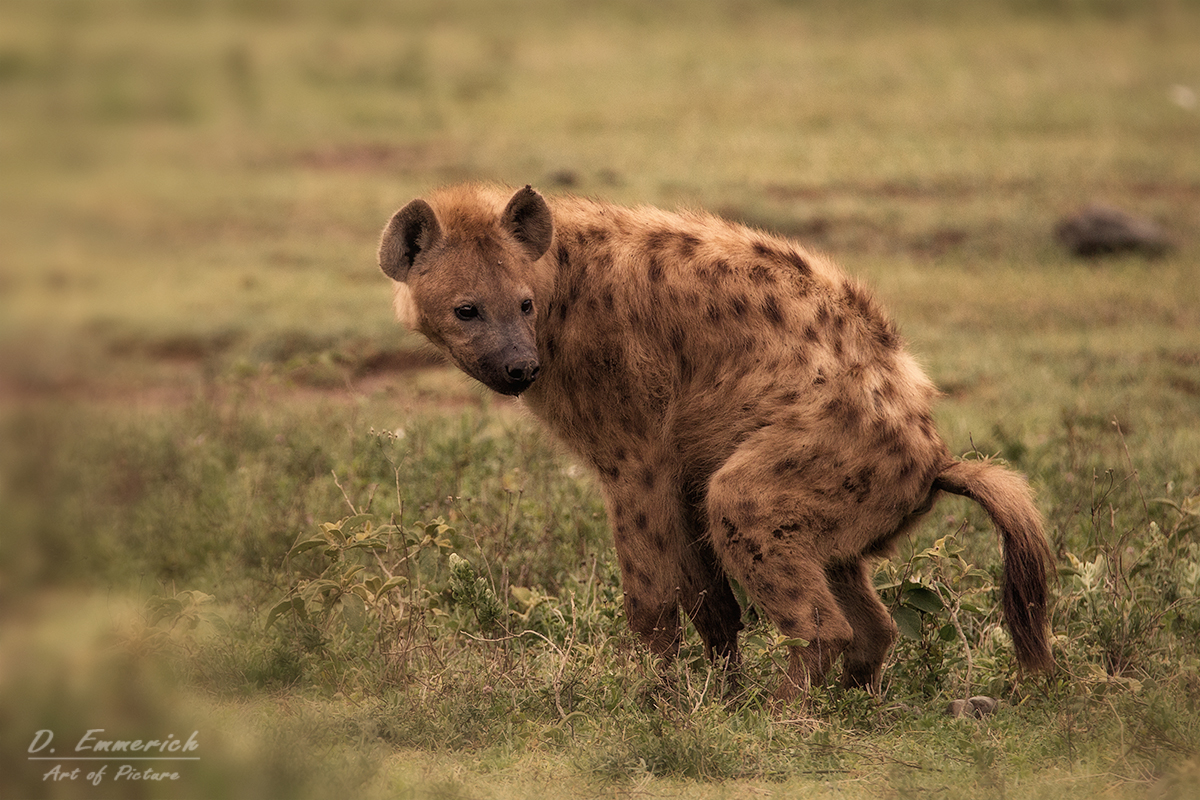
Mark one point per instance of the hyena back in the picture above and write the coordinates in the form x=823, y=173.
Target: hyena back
x=750, y=412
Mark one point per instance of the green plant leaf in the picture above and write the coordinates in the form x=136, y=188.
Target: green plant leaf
x=923, y=599
x=308, y=544
x=908, y=620
x=792, y=642
x=295, y=603
x=358, y=520
x=391, y=583
x=161, y=608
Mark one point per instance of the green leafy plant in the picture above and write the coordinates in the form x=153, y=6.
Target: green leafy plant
x=367, y=585
x=937, y=597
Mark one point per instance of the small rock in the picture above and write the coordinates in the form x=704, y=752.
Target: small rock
x=563, y=179
x=1099, y=230
x=978, y=707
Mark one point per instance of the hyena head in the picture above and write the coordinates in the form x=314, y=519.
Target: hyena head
x=475, y=280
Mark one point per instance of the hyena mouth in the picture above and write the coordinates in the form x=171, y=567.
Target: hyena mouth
x=513, y=389
x=515, y=379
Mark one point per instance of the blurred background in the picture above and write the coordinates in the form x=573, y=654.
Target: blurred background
x=194, y=332
x=193, y=176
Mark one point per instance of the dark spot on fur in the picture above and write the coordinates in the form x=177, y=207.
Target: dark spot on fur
x=772, y=311
x=787, y=624
x=738, y=305
x=722, y=267
x=648, y=478
x=687, y=245
x=820, y=378
x=660, y=543
x=598, y=234
x=657, y=240
x=655, y=273
x=797, y=261
x=886, y=335
x=777, y=534
x=856, y=298
x=714, y=313
x=563, y=255
x=786, y=466
x=641, y=521
x=859, y=484
x=730, y=529
x=760, y=275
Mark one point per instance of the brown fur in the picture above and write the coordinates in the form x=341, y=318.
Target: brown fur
x=750, y=412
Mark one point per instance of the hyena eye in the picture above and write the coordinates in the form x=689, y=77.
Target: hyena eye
x=527, y=307
x=466, y=311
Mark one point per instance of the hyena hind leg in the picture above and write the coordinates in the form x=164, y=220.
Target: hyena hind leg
x=792, y=591
x=767, y=534
x=874, y=630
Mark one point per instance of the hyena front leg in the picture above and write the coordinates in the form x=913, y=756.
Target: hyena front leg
x=648, y=535
x=667, y=562
x=709, y=602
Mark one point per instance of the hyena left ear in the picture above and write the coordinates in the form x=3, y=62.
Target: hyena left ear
x=411, y=230
x=528, y=218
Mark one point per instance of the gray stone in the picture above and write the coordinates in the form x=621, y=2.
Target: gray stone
x=1099, y=230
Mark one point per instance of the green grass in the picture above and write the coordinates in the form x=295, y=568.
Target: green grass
x=198, y=369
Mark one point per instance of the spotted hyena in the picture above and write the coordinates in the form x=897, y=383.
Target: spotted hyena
x=750, y=412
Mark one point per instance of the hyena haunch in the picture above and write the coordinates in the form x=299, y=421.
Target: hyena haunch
x=750, y=412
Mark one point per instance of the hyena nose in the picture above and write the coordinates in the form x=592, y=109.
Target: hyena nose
x=522, y=371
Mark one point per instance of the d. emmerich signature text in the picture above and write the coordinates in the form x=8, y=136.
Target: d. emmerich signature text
x=91, y=747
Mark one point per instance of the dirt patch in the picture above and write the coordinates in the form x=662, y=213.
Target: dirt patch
x=399, y=361
x=166, y=378
x=371, y=156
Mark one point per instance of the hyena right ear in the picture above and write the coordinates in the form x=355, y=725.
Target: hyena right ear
x=412, y=230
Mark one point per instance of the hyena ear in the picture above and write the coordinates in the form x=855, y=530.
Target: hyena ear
x=412, y=230
x=528, y=218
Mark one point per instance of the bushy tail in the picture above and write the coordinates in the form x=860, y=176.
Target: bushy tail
x=1008, y=501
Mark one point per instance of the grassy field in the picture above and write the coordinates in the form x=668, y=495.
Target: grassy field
x=237, y=500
